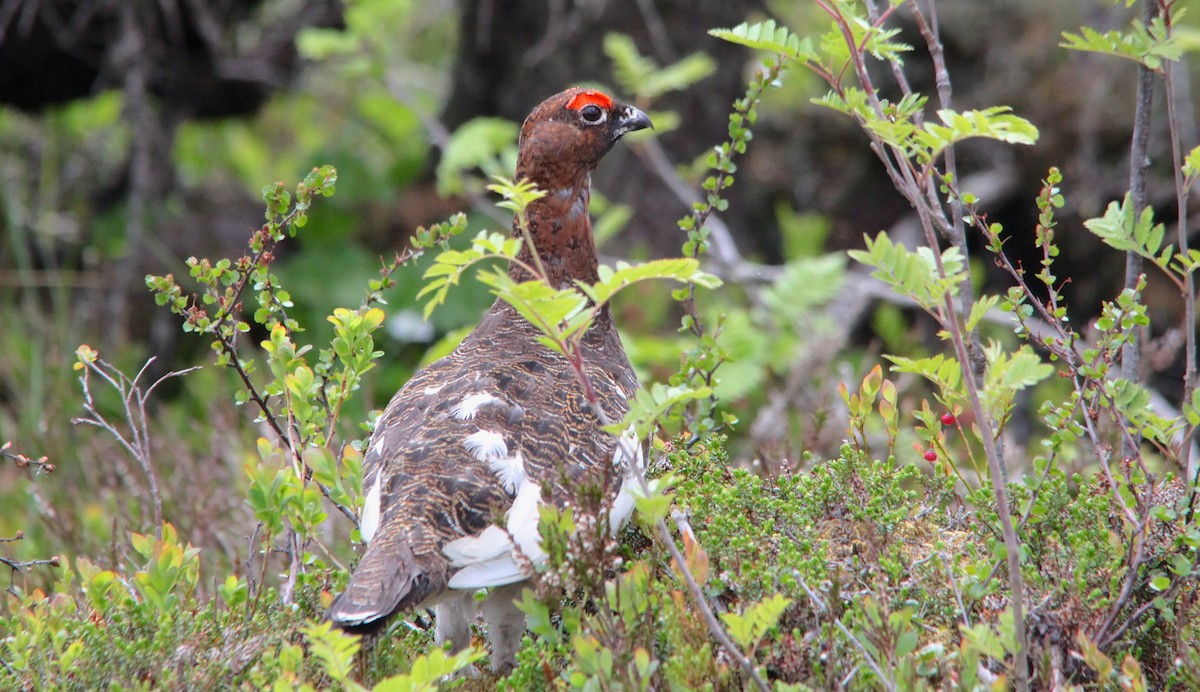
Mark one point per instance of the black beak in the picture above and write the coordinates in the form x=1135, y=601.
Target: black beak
x=630, y=119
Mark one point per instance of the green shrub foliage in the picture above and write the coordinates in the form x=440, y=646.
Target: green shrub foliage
x=929, y=552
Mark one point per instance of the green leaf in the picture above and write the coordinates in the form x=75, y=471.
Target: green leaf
x=913, y=273
x=749, y=627
x=806, y=284
x=683, y=270
x=1147, y=45
x=740, y=628
x=1120, y=230
x=1018, y=370
x=656, y=504
x=980, y=309
x=996, y=122
x=767, y=36
x=1191, y=164
x=334, y=649
x=649, y=404
x=517, y=195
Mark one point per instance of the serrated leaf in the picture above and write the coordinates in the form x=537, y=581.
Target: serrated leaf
x=1018, y=370
x=1149, y=45
x=980, y=309
x=996, y=122
x=769, y=36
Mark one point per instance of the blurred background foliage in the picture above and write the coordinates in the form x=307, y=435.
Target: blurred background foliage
x=134, y=135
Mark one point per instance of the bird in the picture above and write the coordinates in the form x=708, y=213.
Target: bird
x=471, y=446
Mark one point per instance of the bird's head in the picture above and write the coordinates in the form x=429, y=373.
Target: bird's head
x=568, y=133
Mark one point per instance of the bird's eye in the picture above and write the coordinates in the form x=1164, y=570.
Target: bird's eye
x=592, y=114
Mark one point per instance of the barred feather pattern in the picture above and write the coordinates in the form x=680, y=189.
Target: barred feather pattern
x=437, y=487
x=485, y=434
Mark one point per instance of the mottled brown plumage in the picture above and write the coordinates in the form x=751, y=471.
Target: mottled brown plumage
x=501, y=423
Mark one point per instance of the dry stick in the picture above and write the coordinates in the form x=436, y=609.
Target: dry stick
x=706, y=611
x=966, y=614
x=20, y=566
x=141, y=438
x=1011, y=542
x=295, y=553
x=138, y=444
x=1136, y=554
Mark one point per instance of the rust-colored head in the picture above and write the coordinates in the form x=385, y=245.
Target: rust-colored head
x=567, y=134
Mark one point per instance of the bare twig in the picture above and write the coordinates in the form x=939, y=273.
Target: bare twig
x=20, y=566
x=1168, y=596
x=40, y=464
x=229, y=346
x=1134, y=561
x=17, y=566
x=295, y=553
x=133, y=401
x=706, y=611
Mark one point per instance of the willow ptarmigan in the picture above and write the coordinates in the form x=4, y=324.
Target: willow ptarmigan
x=501, y=424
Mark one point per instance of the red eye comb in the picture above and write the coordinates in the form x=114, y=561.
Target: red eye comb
x=591, y=97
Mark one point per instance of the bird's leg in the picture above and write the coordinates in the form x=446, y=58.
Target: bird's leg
x=454, y=612
x=506, y=625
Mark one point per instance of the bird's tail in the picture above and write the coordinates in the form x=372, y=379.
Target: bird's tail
x=388, y=580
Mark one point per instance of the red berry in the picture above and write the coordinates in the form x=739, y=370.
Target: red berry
x=930, y=455
x=948, y=419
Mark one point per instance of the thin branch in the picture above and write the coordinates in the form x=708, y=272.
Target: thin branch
x=1168, y=596
x=1136, y=554
x=1139, y=162
x=723, y=248
x=1181, y=209
x=956, y=228
x=229, y=346
x=40, y=464
x=133, y=401
x=17, y=566
x=706, y=611
x=295, y=554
